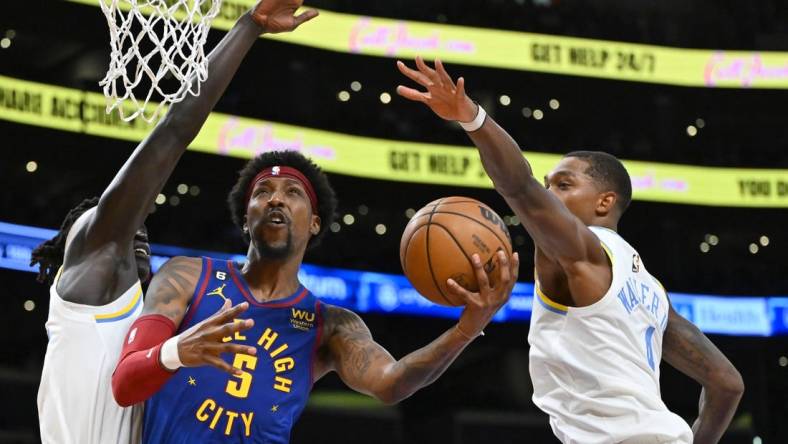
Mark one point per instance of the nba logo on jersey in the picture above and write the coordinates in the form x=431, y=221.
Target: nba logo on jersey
x=275, y=171
x=635, y=263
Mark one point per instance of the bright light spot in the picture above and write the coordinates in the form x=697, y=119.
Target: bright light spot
x=348, y=219
x=29, y=305
x=10, y=33
x=764, y=241
x=692, y=131
x=554, y=104
x=194, y=190
x=355, y=86
x=700, y=123
x=527, y=113
x=410, y=212
x=704, y=247
x=538, y=114
x=335, y=227
x=175, y=201
x=380, y=229
x=783, y=361
x=5, y=43
x=343, y=96
x=183, y=188
x=385, y=98
x=507, y=220
x=505, y=100
x=753, y=248
x=160, y=199
x=757, y=440
x=713, y=240
x=515, y=220
x=363, y=210
x=31, y=166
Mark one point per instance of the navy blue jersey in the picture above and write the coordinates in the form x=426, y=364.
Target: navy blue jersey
x=207, y=405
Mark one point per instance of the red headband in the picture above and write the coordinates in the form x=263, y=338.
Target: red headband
x=284, y=171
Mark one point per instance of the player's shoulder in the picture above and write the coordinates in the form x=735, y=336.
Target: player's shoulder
x=81, y=225
x=610, y=238
x=184, y=266
x=604, y=232
x=183, y=261
x=338, y=319
x=339, y=314
x=174, y=283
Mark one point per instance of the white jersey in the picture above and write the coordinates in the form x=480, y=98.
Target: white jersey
x=595, y=369
x=75, y=401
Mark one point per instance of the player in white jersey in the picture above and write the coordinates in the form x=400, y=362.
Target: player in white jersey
x=601, y=323
x=99, y=257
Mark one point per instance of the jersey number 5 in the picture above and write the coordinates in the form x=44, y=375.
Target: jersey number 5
x=240, y=388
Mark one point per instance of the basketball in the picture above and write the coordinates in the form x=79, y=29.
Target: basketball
x=441, y=238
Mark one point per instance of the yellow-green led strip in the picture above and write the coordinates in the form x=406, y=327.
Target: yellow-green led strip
x=223, y=134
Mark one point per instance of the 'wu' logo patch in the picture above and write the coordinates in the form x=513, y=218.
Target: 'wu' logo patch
x=302, y=319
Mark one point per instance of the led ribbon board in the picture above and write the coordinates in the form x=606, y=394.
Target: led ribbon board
x=528, y=51
x=368, y=292
x=83, y=112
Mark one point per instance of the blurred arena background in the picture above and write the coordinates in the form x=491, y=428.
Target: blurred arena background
x=592, y=92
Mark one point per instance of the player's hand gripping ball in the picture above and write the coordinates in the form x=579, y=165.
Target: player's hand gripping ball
x=441, y=238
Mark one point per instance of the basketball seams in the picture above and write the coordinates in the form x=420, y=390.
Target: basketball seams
x=482, y=223
x=468, y=210
x=429, y=256
x=456, y=242
x=470, y=201
x=407, y=246
x=433, y=206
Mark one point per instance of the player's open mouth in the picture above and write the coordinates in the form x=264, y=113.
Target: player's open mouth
x=141, y=252
x=276, y=218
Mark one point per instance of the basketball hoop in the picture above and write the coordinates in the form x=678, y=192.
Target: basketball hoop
x=154, y=40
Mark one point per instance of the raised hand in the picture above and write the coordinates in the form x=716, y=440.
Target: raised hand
x=277, y=16
x=481, y=306
x=442, y=95
x=203, y=343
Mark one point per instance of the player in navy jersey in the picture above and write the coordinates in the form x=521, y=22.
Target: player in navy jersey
x=283, y=204
x=97, y=262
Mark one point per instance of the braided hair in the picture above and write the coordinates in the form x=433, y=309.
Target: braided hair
x=49, y=254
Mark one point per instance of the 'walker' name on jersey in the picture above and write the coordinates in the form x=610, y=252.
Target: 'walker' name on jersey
x=636, y=294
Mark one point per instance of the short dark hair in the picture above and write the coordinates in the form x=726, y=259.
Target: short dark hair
x=326, y=198
x=49, y=254
x=609, y=173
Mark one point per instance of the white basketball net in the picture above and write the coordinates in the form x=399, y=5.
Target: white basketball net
x=173, y=33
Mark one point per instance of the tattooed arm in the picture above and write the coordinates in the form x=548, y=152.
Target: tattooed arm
x=170, y=294
x=365, y=366
x=142, y=368
x=368, y=368
x=691, y=352
x=171, y=289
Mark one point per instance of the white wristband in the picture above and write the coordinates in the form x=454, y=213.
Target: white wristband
x=477, y=122
x=169, y=354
